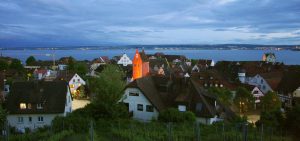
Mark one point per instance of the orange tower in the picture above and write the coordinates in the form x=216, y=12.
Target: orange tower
x=137, y=66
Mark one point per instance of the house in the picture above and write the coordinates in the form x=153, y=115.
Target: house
x=40, y=74
x=103, y=60
x=266, y=81
x=140, y=66
x=257, y=94
x=147, y=96
x=34, y=104
x=269, y=57
x=202, y=65
x=62, y=67
x=74, y=81
x=124, y=60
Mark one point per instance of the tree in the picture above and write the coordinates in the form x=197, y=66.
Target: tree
x=71, y=64
x=3, y=65
x=173, y=115
x=16, y=65
x=270, y=102
x=223, y=94
x=107, y=90
x=272, y=118
x=243, y=99
x=3, y=114
x=81, y=69
x=30, y=61
x=293, y=120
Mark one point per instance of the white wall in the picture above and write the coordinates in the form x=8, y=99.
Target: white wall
x=124, y=60
x=13, y=120
x=261, y=83
x=74, y=81
x=68, y=104
x=297, y=92
x=141, y=99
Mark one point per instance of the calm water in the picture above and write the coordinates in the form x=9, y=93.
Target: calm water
x=286, y=56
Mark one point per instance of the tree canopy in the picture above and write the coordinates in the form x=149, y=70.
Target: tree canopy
x=30, y=60
x=271, y=101
x=243, y=99
x=107, y=90
x=3, y=65
x=223, y=94
x=16, y=65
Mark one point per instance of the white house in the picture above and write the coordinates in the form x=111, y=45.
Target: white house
x=124, y=60
x=34, y=104
x=266, y=81
x=142, y=99
x=75, y=82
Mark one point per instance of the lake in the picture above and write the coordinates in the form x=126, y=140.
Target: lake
x=286, y=56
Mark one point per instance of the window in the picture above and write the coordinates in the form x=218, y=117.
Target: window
x=40, y=119
x=73, y=80
x=181, y=108
x=72, y=86
x=261, y=81
x=133, y=94
x=39, y=106
x=149, y=108
x=22, y=105
x=201, y=78
x=140, y=107
x=20, y=119
x=30, y=119
x=264, y=87
x=29, y=105
x=255, y=92
x=78, y=80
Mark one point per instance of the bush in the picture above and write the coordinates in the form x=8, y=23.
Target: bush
x=76, y=123
x=173, y=115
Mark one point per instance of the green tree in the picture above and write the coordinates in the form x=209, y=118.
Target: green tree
x=3, y=65
x=272, y=118
x=224, y=95
x=71, y=64
x=16, y=65
x=107, y=90
x=3, y=114
x=81, y=69
x=270, y=102
x=30, y=60
x=173, y=115
x=243, y=99
x=293, y=120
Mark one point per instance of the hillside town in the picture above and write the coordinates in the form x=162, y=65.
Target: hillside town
x=35, y=93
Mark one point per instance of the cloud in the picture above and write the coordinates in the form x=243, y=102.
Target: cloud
x=148, y=22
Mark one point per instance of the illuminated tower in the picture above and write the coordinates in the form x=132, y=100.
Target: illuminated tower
x=137, y=66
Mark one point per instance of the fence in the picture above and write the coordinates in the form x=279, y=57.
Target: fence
x=156, y=131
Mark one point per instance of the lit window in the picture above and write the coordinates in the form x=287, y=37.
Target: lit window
x=20, y=119
x=149, y=108
x=29, y=106
x=72, y=86
x=140, y=107
x=39, y=106
x=40, y=119
x=22, y=105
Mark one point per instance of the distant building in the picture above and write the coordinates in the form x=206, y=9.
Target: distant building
x=140, y=65
x=74, y=81
x=269, y=57
x=34, y=104
x=203, y=65
x=266, y=81
x=124, y=60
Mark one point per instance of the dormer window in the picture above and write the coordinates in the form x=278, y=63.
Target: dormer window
x=221, y=85
x=22, y=106
x=39, y=106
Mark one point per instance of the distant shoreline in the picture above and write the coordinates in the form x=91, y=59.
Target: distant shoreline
x=167, y=47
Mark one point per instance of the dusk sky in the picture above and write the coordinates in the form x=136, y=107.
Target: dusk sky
x=123, y=22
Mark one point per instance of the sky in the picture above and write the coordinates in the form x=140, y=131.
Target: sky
x=134, y=22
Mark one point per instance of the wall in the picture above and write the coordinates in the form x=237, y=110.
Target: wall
x=77, y=83
x=13, y=120
x=141, y=99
